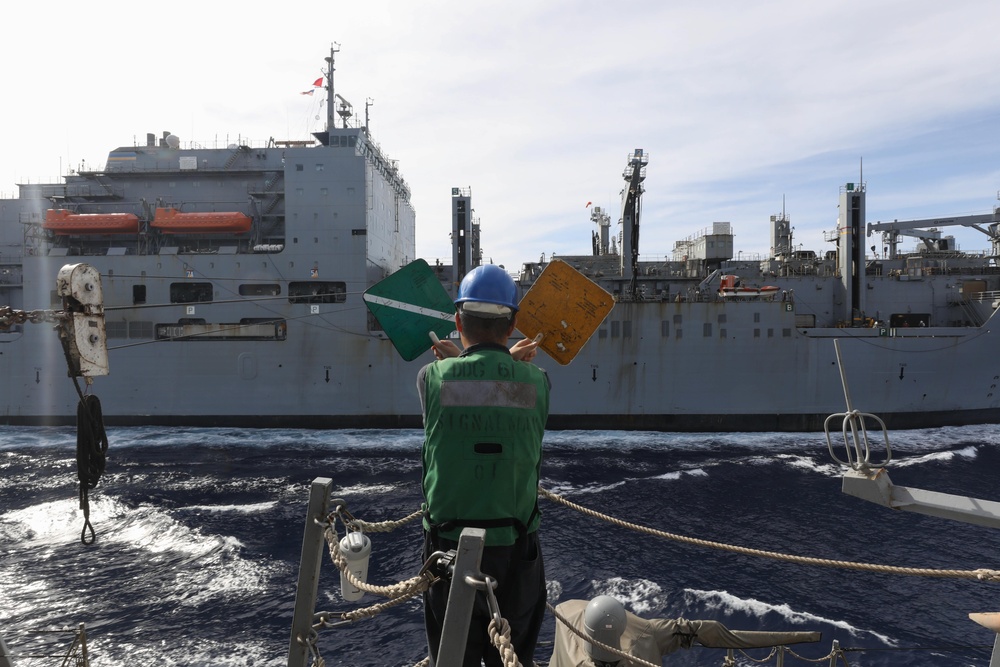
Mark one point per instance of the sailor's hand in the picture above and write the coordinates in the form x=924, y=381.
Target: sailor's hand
x=445, y=348
x=524, y=350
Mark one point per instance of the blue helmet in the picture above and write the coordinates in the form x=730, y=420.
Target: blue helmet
x=488, y=284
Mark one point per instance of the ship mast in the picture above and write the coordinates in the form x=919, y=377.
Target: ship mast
x=330, y=108
x=634, y=174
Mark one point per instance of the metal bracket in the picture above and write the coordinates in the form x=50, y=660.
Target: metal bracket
x=461, y=597
x=309, y=567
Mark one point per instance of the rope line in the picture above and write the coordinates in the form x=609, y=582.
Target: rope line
x=500, y=636
x=499, y=632
x=981, y=574
x=386, y=526
x=408, y=587
x=91, y=456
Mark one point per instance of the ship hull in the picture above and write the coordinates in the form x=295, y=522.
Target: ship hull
x=673, y=372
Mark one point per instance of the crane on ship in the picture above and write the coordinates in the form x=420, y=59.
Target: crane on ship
x=634, y=174
x=929, y=233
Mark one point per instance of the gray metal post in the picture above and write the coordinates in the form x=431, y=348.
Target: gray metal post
x=312, y=554
x=5, y=659
x=82, y=634
x=461, y=598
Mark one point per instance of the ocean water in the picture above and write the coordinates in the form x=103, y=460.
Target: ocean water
x=199, y=534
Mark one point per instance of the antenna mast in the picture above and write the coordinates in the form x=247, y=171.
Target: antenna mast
x=330, y=109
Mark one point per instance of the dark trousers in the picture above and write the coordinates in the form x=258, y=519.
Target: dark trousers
x=520, y=592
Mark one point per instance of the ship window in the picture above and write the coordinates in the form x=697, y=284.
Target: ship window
x=722, y=333
x=722, y=318
x=299, y=167
x=756, y=333
x=770, y=333
x=193, y=329
x=319, y=167
x=602, y=333
x=140, y=329
x=190, y=292
x=281, y=326
x=616, y=328
x=756, y=317
x=664, y=329
x=265, y=289
x=138, y=294
x=627, y=329
x=117, y=329
x=786, y=333
x=678, y=318
x=315, y=291
x=678, y=334
x=324, y=191
x=706, y=329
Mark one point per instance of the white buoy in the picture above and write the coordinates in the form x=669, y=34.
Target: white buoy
x=356, y=548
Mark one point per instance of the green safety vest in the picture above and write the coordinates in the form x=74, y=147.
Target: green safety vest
x=484, y=420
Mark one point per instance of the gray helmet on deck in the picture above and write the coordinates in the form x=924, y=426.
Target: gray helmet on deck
x=605, y=621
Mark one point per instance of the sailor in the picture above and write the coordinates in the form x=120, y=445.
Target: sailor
x=484, y=412
x=605, y=621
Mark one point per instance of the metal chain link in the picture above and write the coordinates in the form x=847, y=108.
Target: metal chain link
x=10, y=316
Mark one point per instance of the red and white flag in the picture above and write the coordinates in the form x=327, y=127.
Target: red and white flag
x=316, y=84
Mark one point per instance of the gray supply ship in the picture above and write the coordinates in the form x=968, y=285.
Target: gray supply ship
x=233, y=280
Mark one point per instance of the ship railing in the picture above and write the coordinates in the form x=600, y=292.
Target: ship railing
x=43, y=645
x=987, y=296
x=970, y=311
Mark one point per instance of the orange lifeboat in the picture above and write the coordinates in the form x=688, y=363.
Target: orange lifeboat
x=732, y=286
x=64, y=222
x=172, y=221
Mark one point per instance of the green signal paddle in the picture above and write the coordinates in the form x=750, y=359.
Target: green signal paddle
x=408, y=305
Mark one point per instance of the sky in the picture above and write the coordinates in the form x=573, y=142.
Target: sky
x=744, y=107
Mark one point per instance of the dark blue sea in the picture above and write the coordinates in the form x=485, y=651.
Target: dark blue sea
x=199, y=534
